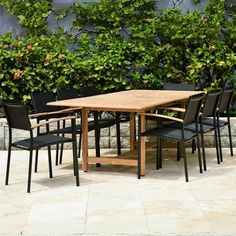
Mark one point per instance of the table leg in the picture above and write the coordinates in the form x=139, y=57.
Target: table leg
x=132, y=131
x=142, y=145
x=85, y=138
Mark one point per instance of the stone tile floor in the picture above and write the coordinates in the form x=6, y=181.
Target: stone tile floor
x=112, y=201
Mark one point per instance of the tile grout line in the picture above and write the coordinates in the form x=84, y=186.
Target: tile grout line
x=146, y=221
x=86, y=216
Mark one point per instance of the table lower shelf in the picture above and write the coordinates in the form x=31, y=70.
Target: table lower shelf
x=112, y=160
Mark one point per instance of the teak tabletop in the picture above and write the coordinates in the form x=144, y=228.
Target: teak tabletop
x=127, y=101
x=132, y=101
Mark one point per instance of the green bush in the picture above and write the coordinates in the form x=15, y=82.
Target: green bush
x=35, y=64
x=117, y=45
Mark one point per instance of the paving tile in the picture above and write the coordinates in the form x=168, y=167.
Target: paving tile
x=51, y=218
x=111, y=200
x=117, y=223
x=221, y=215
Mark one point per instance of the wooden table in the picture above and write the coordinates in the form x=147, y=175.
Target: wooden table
x=132, y=101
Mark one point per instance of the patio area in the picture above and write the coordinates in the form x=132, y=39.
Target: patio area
x=112, y=201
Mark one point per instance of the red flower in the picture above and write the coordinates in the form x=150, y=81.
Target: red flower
x=16, y=76
x=29, y=47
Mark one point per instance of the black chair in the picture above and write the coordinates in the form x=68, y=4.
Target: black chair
x=67, y=93
x=176, y=87
x=45, y=112
x=17, y=118
x=70, y=93
x=179, y=134
x=103, y=122
x=39, y=101
x=209, y=109
x=64, y=94
x=223, y=109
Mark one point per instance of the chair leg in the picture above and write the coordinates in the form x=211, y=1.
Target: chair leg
x=50, y=162
x=97, y=144
x=61, y=152
x=36, y=154
x=57, y=146
x=203, y=148
x=62, y=145
x=230, y=138
x=178, y=152
x=193, y=146
x=74, y=150
x=217, y=146
x=185, y=164
x=159, y=154
x=8, y=164
x=219, y=142
x=80, y=144
x=199, y=153
x=97, y=141
x=36, y=161
x=30, y=171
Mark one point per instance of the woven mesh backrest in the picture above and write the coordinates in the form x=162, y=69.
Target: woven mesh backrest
x=69, y=93
x=178, y=86
x=89, y=91
x=193, y=108
x=225, y=99
x=40, y=101
x=17, y=116
x=211, y=103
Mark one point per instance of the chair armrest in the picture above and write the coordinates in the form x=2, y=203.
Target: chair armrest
x=164, y=117
x=64, y=111
x=33, y=126
x=179, y=109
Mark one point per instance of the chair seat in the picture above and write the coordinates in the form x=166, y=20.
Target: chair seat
x=210, y=121
x=41, y=141
x=206, y=127
x=106, y=122
x=171, y=133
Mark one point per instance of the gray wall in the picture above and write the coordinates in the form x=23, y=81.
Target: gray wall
x=10, y=23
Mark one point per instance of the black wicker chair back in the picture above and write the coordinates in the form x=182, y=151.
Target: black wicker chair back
x=193, y=108
x=178, y=86
x=17, y=116
x=68, y=93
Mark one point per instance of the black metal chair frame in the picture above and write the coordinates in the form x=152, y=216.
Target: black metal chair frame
x=224, y=106
x=45, y=112
x=179, y=134
x=17, y=118
x=209, y=109
x=102, y=122
x=39, y=101
x=176, y=87
x=70, y=93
